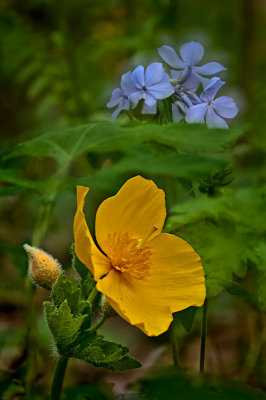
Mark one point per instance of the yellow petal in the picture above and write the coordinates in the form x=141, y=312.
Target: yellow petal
x=85, y=248
x=176, y=282
x=138, y=208
x=133, y=304
x=177, y=274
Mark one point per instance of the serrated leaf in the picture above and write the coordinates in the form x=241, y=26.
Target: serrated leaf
x=64, y=326
x=93, y=349
x=68, y=288
x=69, y=319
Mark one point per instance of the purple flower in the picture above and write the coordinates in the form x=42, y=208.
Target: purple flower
x=149, y=86
x=211, y=110
x=119, y=96
x=189, y=75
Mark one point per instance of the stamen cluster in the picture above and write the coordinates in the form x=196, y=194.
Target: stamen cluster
x=126, y=256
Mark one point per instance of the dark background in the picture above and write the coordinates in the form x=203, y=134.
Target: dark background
x=59, y=62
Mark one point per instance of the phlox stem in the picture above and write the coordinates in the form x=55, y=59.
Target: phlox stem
x=203, y=336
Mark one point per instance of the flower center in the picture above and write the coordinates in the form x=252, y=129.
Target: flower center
x=128, y=254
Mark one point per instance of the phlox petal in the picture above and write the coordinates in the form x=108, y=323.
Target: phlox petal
x=191, y=52
x=123, y=105
x=115, y=99
x=211, y=89
x=176, y=113
x=196, y=114
x=85, y=248
x=126, y=83
x=169, y=55
x=149, y=99
x=149, y=109
x=138, y=76
x=192, y=82
x=135, y=97
x=136, y=208
x=210, y=68
x=162, y=89
x=225, y=107
x=154, y=73
x=214, y=121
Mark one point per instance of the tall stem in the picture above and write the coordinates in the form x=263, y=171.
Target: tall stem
x=31, y=335
x=39, y=232
x=174, y=345
x=203, y=336
x=59, y=378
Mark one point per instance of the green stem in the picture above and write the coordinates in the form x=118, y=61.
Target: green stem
x=92, y=294
x=59, y=378
x=41, y=226
x=31, y=335
x=203, y=336
x=174, y=345
x=42, y=223
x=97, y=326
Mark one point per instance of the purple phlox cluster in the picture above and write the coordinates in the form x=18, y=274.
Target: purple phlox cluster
x=211, y=111
x=155, y=84
x=139, y=85
x=189, y=75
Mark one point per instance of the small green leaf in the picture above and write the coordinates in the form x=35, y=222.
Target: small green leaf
x=68, y=288
x=187, y=317
x=235, y=289
x=93, y=349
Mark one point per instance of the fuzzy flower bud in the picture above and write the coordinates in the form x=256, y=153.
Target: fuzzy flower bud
x=43, y=268
x=107, y=310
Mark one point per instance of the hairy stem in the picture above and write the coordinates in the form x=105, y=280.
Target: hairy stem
x=40, y=229
x=92, y=294
x=31, y=334
x=59, y=378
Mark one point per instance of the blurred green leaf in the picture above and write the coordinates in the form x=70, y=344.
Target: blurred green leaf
x=165, y=382
x=83, y=391
x=187, y=317
x=101, y=137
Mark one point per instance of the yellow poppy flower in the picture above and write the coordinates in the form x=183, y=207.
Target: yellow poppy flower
x=145, y=275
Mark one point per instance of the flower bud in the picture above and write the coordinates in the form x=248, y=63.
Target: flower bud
x=43, y=268
x=107, y=310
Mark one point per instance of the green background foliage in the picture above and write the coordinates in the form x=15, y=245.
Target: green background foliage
x=60, y=61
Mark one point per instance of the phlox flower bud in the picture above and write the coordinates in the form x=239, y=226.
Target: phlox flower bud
x=43, y=268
